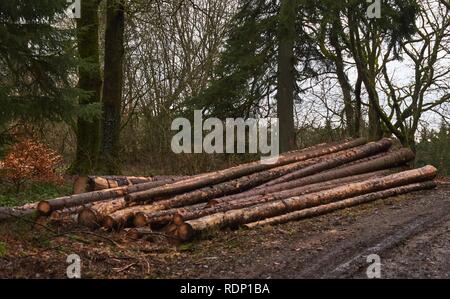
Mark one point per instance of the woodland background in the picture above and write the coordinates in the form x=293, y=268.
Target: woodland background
x=98, y=94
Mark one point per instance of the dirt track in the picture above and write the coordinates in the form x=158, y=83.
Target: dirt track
x=411, y=234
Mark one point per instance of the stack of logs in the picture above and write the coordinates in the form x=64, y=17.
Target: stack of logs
x=300, y=184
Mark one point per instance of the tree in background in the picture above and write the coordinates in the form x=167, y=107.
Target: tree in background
x=90, y=81
x=112, y=87
x=36, y=64
x=267, y=53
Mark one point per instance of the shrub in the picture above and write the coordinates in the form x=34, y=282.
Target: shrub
x=29, y=161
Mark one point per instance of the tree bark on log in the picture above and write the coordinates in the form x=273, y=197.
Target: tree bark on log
x=346, y=203
x=60, y=215
x=93, y=217
x=157, y=219
x=386, y=161
x=275, y=208
x=347, y=156
x=85, y=184
x=46, y=207
x=237, y=171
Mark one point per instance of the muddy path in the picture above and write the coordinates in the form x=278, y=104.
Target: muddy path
x=410, y=234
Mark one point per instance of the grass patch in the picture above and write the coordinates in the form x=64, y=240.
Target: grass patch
x=33, y=194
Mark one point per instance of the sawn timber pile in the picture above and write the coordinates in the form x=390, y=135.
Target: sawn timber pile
x=299, y=184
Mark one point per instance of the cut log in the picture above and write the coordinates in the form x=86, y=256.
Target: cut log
x=392, y=159
x=83, y=184
x=46, y=207
x=67, y=213
x=347, y=156
x=11, y=213
x=93, y=217
x=346, y=203
x=236, y=172
x=275, y=208
x=157, y=219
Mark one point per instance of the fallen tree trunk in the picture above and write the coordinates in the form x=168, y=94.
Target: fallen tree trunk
x=9, y=213
x=237, y=171
x=346, y=203
x=60, y=215
x=157, y=219
x=386, y=161
x=390, y=160
x=85, y=184
x=346, y=157
x=93, y=217
x=46, y=207
x=275, y=208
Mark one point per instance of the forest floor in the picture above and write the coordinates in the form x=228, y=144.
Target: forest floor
x=410, y=233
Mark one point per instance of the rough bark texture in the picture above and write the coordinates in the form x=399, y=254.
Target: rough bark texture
x=89, y=80
x=46, y=207
x=112, y=86
x=286, y=74
x=327, y=208
x=85, y=184
x=93, y=216
x=345, y=157
x=393, y=159
x=275, y=208
x=237, y=171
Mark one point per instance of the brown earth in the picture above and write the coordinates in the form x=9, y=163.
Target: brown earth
x=410, y=233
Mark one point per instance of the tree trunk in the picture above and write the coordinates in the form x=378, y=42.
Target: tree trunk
x=375, y=129
x=286, y=74
x=89, y=80
x=344, y=83
x=112, y=86
x=275, y=208
x=327, y=208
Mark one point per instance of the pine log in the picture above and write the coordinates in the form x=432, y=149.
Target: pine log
x=347, y=156
x=346, y=203
x=46, y=207
x=157, y=219
x=66, y=213
x=236, y=172
x=93, y=217
x=390, y=160
x=11, y=213
x=393, y=159
x=279, y=207
x=108, y=182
